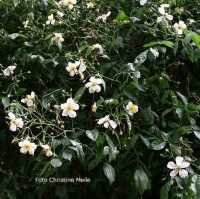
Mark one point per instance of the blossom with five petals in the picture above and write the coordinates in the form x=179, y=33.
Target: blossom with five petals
x=179, y=27
x=58, y=38
x=69, y=108
x=93, y=85
x=27, y=146
x=72, y=68
x=179, y=167
x=69, y=3
x=165, y=16
x=29, y=99
x=9, y=70
x=15, y=122
x=106, y=121
x=131, y=108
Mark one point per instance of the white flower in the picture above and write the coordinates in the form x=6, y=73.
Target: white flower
x=179, y=167
x=60, y=14
x=69, y=108
x=29, y=99
x=15, y=122
x=90, y=5
x=82, y=66
x=107, y=122
x=106, y=150
x=25, y=23
x=50, y=20
x=98, y=46
x=131, y=108
x=93, y=85
x=9, y=70
x=58, y=38
x=27, y=146
x=104, y=16
x=69, y=3
x=155, y=52
x=72, y=68
x=142, y=2
x=47, y=150
x=179, y=27
x=165, y=16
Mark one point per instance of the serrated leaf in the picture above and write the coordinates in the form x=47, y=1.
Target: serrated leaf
x=56, y=162
x=5, y=101
x=93, y=134
x=109, y=172
x=67, y=156
x=141, y=180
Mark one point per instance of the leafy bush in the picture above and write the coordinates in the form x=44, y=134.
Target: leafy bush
x=99, y=99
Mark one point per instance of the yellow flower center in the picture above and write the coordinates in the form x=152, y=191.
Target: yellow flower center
x=26, y=147
x=73, y=68
x=13, y=122
x=58, y=38
x=133, y=108
x=69, y=108
x=28, y=97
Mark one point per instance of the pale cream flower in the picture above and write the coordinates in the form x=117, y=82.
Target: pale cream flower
x=90, y=5
x=9, y=70
x=179, y=167
x=15, y=122
x=47, y=150
x=82, y=66
x=106, y=121
x=27, y=146
x=104, y=17
x=94, y=107
x=69, y=108
x=69, y=3
x=50, y=20
x=29, y=99
x=93, y=85
x=179, y=27
x=72, y=68
x=98, y=46
x=131, y=108
x=58, y=38
x=165, y=16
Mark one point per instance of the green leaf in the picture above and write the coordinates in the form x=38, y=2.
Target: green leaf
x=164, y=191
x=13, y=36
x=5, y=101
x=67, y=156
x=109, y=172
x=79, y=93
x=183, y=98
x=158, y=144
x=195, y=186
x=146, y=142
x=141, y=180
x=141, y=58
x=119, y=41
x=93, y=134
x=129, y=124
x=133, y=141
x=155, y=43
x=167, y=43
x=196, y=39
x=56, y=162
x=122, y=16
x=10, y=194
x=197, y=134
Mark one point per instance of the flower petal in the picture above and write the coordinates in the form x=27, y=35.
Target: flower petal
x=183, y=173
x=171, y=165
x=179, y=160
x=173, y=172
